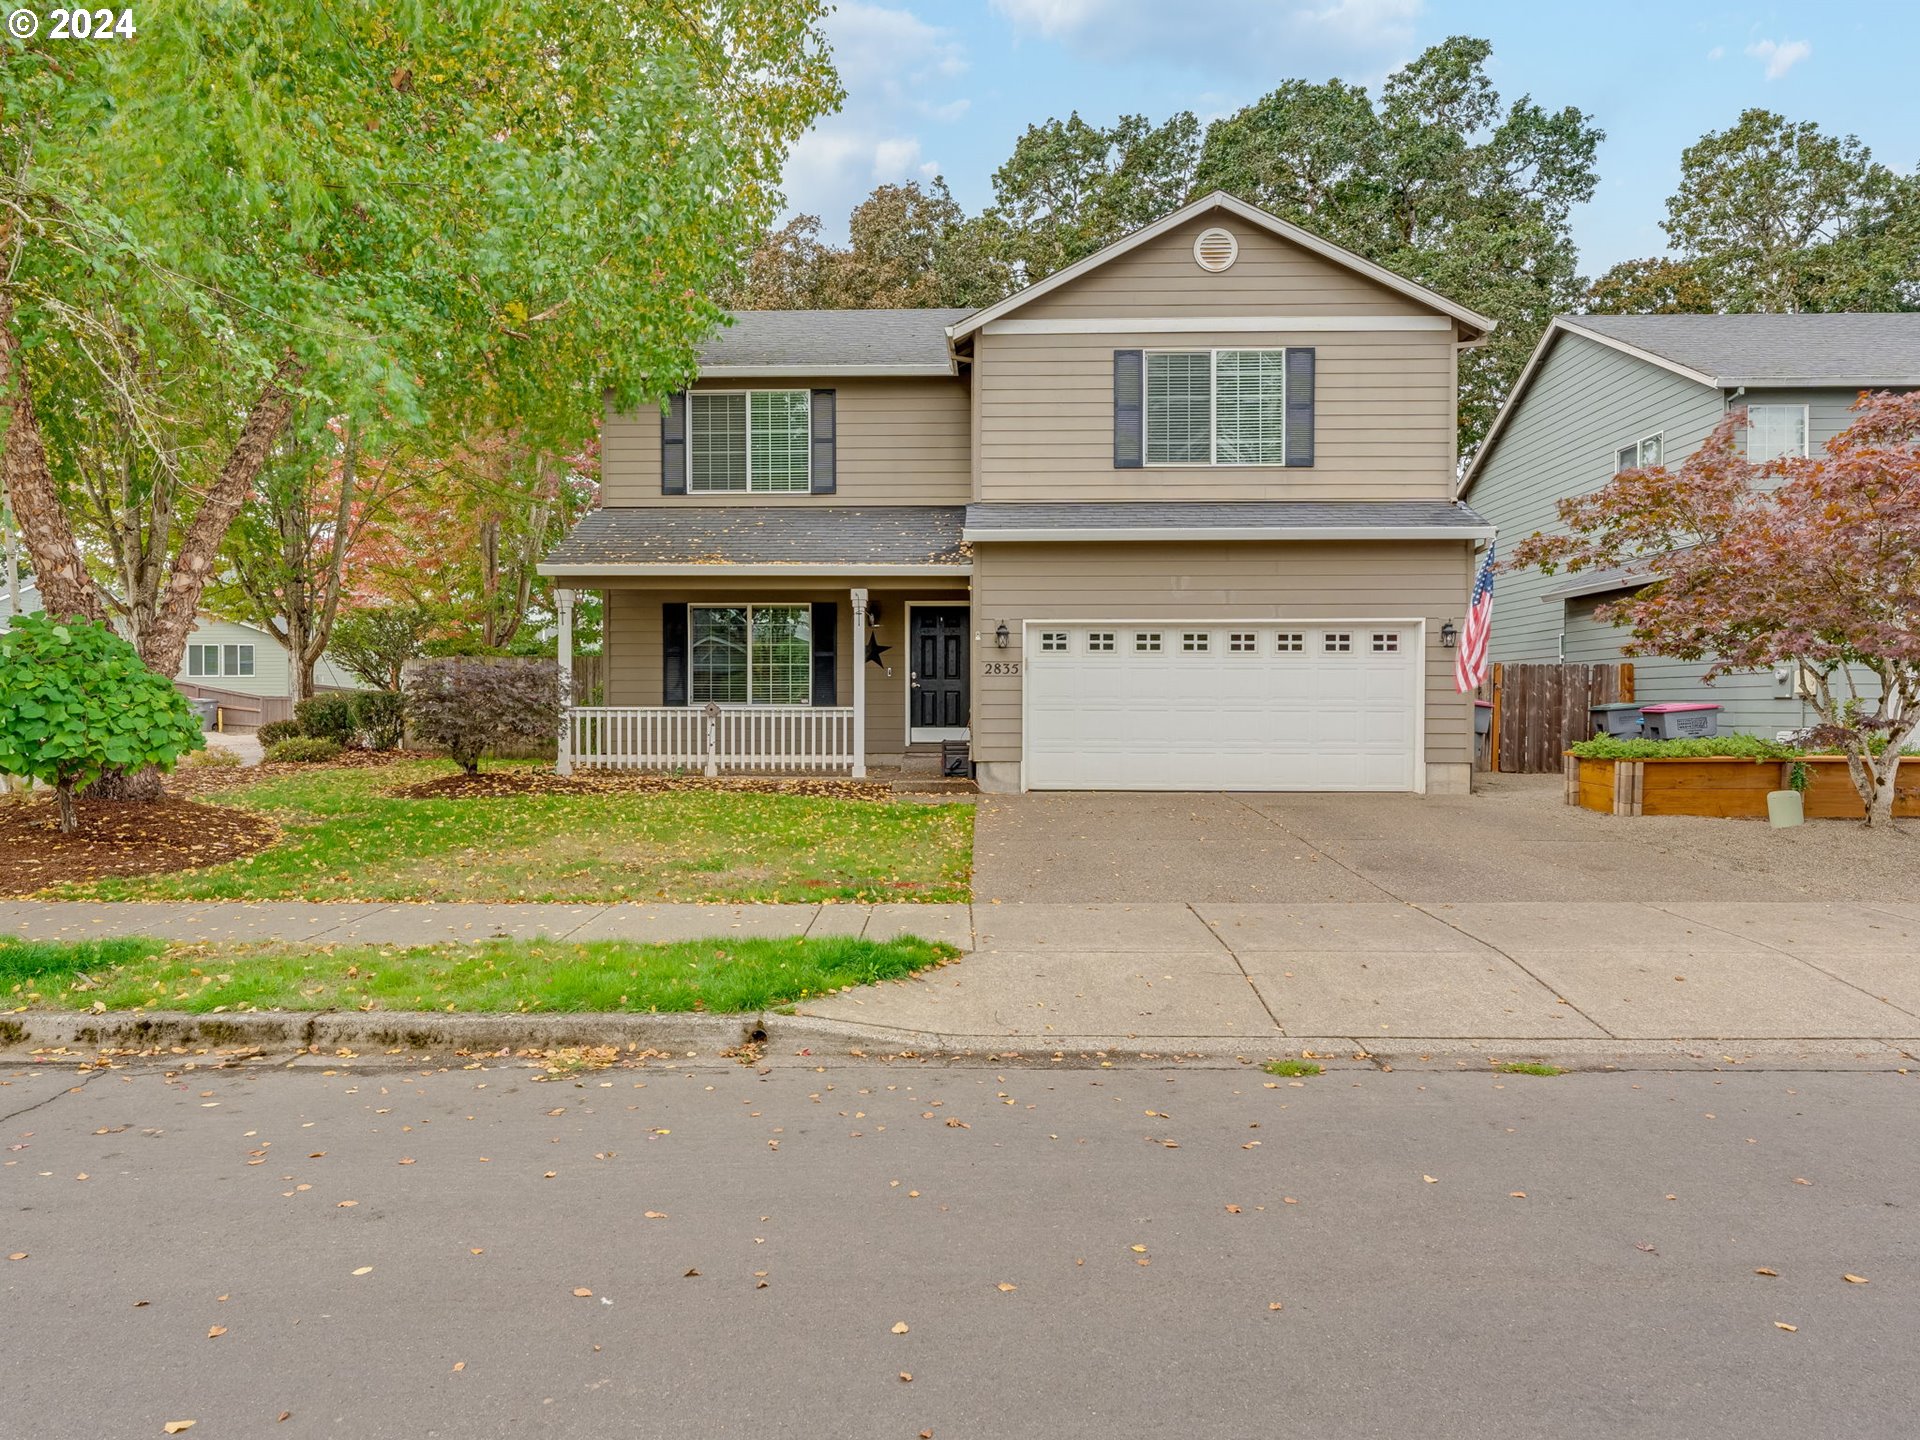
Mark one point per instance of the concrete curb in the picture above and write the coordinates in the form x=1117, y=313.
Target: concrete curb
x=346, y=1036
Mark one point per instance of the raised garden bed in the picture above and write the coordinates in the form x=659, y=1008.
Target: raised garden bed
x=1726, y=786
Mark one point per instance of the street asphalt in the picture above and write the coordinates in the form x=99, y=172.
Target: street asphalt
x=771, y=1251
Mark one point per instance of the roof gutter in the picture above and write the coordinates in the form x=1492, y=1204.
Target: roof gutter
x=723, y=568
x=974, y=534
x=802, y=372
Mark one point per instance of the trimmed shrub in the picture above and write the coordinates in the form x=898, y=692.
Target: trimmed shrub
x=468, y=706
x=1741, y=747
x=77, y=702
x=274, y=731
x=326, y=717
x=379, y=718
x=304, y=750
x=212, y=759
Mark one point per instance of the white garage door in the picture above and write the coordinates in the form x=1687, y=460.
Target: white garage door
x=1221, y=706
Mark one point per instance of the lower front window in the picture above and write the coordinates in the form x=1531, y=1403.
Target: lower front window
x=751, y=654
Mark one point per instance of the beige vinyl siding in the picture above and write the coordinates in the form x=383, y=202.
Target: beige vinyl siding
x=1383, y=419
x=1585, y=401
x=1271, y=277
x=1014, y=583
x=636, y=660
x=897, y=442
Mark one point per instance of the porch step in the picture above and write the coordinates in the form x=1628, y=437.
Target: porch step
x=921, y=760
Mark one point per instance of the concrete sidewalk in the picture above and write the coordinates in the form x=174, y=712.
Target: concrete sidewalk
x=1528, y=977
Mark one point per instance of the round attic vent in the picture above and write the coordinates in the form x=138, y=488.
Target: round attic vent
x=1216, y=249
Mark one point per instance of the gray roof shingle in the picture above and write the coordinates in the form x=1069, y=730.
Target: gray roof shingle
x=831, y=337
x=985, y=518
x=863, y=538
x=1844, y=349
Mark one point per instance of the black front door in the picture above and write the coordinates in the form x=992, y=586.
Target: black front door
x=938, y=647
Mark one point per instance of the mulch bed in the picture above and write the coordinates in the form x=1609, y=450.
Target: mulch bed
x=119, y=837
x=503, y=784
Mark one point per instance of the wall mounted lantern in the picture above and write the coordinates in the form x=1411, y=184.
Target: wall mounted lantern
x=1002, y=636
x=1449, y=636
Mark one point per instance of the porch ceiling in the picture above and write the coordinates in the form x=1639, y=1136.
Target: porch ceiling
x=775, y=540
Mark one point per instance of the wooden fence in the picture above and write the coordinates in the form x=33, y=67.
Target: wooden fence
x=1540, y=709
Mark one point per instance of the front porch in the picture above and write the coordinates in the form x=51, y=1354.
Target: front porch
x=758, y=678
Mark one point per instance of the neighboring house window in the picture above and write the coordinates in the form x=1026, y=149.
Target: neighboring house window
x=748, y=440
x=1216, y=407
x=1637, y=456
x=1776, y=430
x=217, y=660
x=751, y=654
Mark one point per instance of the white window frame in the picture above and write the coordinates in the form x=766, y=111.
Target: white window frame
x=806, y=410
x=1806, y=429
x=749, y=608
x=1213, y=459
x=212, y=658
x=1638, y=447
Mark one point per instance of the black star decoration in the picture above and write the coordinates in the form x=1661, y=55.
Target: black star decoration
x=875, y=649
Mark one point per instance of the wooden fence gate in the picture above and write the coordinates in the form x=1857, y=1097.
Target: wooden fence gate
x=1539, y=710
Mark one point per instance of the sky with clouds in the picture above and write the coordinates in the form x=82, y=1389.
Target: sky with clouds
x=945, y=87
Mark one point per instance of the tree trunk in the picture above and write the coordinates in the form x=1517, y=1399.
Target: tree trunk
x=63, y=797
x=137, y=785
x=66, y=590
x=163, y=646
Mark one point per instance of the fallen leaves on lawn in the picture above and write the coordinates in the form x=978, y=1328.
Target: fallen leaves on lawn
x=899, y=1327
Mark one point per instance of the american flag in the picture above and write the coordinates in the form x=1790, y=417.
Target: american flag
x=1470, y=661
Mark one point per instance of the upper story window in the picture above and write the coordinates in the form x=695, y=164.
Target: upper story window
x=748, y=440
x=1216, y=407
x=1639, y=455
x=216, y=660
x=1776, y=430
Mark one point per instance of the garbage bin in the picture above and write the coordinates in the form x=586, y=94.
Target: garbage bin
x=1622, y=719
x=1681, y=720
x=207, y=710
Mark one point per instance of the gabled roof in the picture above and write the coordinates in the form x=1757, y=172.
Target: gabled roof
x=1863, y=351
x=1725, y=352
x=1252, y=215
x=764, y=344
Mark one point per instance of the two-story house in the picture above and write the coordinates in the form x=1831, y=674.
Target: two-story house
x=1180, y=516
x=1605, y=393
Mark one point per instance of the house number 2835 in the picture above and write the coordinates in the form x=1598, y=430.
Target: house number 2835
x=1001, y=667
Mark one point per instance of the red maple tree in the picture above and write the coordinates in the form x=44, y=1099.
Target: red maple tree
x=1809, y=561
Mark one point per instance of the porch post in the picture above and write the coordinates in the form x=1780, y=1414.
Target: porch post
x=563, y=605
x=859, y=658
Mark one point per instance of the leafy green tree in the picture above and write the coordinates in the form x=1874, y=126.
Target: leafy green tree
x=75, y=702
x=1439, y=181
x=375, y=643
x=1656, y=286
x=483, y=215
x=1778, y=216
x=1071, y=188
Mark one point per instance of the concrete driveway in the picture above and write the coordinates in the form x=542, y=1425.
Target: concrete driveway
x=1515, y=841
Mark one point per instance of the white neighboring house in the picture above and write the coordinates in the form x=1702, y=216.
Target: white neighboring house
x=224, y=655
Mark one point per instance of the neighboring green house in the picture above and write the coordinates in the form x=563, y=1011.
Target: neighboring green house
x=224, y=655
x=1606, y=392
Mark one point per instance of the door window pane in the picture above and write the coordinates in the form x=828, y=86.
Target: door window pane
x=718, y=669
x=1179, y=408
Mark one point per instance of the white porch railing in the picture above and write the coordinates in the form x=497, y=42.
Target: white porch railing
x=712, y=738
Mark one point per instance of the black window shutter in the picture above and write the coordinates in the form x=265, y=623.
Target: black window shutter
x=823, y=432
x=826, y=640
x=1129, y=447
x=1300, y=405
x=673, y=449
x=673, y=647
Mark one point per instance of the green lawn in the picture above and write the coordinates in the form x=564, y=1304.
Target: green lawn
x=344, y=839
x=497, y=976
